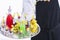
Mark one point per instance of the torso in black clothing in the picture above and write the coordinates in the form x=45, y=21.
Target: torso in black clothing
x=46, y=15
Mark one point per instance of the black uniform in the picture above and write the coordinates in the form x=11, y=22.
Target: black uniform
x=46, y=15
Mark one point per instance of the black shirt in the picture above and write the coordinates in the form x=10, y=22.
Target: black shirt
x=47, y=17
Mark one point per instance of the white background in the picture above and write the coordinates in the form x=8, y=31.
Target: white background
x=16, y=6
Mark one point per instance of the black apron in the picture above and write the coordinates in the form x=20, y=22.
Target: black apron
x=46, y=15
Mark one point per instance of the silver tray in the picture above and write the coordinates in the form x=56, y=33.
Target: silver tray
x=31, y=35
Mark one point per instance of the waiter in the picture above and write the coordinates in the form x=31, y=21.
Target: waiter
x=46, y=15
